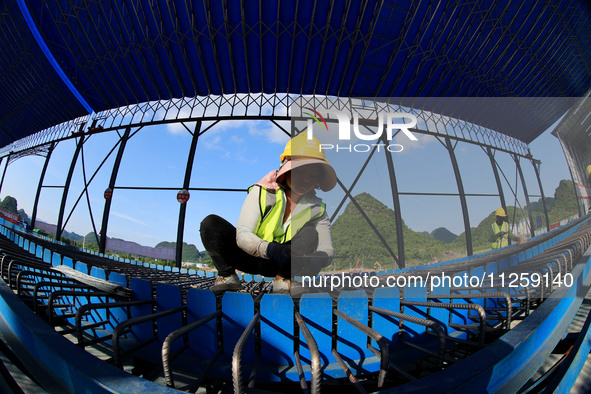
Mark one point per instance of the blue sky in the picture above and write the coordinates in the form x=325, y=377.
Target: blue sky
x=237, y=154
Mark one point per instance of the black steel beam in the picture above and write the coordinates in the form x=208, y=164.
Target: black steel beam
x=60, y=218
x=456, y=168
x=529, y=212
x=114, y=172
x=395, y=197
x=183, y=207
x=493, y=164
x=5, y=167
x=536, y=165
x=40, y=185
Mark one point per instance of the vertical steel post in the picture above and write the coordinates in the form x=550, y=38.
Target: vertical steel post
x=454, y=163
x=530, y=215
x=40, y=185
x=60, y=218
x=186, y=185
x=571, y=168
x=4, y=172
x=114, y=172
x=396, y=199
x=493, y=163
x=536, y=165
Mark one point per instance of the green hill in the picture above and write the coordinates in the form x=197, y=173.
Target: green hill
x=350, y=232
x=444, y=235
x=190, y=252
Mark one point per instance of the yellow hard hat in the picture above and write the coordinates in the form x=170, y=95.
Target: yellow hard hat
x=500, y=212
x=300, y=146
x=589, y=171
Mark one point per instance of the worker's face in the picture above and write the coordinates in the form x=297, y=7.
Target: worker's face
x=500, y=219
x=304, y=179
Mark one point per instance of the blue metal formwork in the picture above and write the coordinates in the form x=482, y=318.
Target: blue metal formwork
x=387, y=298
x=203, y=341
x=411, y=331
x=141, y=290
x=237, y=313
x=277, y=338
x=351, y=342
x=168, y=296
x=316, y=311
x=100, y=314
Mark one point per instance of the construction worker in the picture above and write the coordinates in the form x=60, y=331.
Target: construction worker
x=281, y=218
x=588, y=171
x=500, y=234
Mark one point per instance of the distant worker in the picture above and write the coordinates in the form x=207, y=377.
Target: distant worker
x=588, y=170
x=500, y=234
x=281, y=217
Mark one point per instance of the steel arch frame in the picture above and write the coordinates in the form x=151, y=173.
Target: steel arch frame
x=447, y=130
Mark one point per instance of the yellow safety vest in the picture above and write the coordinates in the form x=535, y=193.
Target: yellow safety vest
x=272, y=206
x=504, y=240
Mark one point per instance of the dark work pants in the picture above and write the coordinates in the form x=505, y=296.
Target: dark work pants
x=219, y=240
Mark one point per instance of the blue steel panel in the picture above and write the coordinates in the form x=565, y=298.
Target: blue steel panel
x=238, y=311
x=169, y=296
x=351, y=342
x=412, y=330
x=82, y=267
x=47, y=256
x=277, y=330
x=101, y=314
x=68, y=262
x=118, y=278
x=141, y=290
x=117, y=315
x=56, y=363
x=32, y=247
x=387, y=298
x=316, y=310
x=513, y=260
x=56, y=259
x=202, y=340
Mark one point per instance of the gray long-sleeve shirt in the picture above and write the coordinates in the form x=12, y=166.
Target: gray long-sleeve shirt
x=250, y=216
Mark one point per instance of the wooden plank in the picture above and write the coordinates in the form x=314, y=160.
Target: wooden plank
x=99, y=284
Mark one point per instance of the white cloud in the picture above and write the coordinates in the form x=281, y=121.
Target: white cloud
x=237, y=140
x=421, y=143
x=268, y=130
x=126, y=217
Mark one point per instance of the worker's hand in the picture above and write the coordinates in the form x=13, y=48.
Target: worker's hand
x=520, y=240
x=310, y=265
x=501, y=234
x=280, y=253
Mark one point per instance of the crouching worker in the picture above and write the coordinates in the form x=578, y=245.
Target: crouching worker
x=283, y=229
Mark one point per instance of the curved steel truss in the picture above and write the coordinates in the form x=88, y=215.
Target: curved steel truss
x=128, y=121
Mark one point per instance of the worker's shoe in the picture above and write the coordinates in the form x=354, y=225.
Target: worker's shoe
x=281, y=286
x=226, y=283
x=286, y=286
